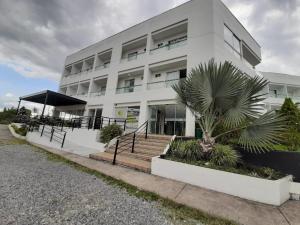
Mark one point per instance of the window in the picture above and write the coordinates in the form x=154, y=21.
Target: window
x=182, y=73
x=129, y=85
x=232, y=42
x=157, y=75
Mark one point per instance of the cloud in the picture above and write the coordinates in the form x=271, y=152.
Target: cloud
x=9, y=95
x=275, y=25
x=36, y=36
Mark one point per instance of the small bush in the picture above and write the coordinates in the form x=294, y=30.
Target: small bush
x=21, y=131
x=187, y=150
x=224, y=155
x=109, y=132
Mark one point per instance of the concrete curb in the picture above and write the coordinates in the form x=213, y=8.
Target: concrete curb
x=12, y=131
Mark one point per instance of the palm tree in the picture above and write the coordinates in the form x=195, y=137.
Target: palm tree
x=223, y=95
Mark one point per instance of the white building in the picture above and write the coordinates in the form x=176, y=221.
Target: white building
x=129, y=74
x=281, y=86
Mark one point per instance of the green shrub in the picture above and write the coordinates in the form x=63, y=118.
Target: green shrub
x=187, y=150
x=109, y=132
x=224, y=155
x=21, y=131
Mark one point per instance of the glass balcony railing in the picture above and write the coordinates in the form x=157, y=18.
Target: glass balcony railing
x=97, y=93
x=132, y=57
x=130, y=89
x=176, y=44
x=279, y=95
x=88, y=70
x=103, y=66
x=82, y=94
x=162, y=84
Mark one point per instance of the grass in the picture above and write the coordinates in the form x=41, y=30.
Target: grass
x=177, y=213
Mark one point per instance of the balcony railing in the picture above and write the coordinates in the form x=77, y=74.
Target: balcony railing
x=162, y=84
x=97, y=93
x=132, y=57
x=176, y=44
x=103, y=66
x=279, y=95
x=88, y=70
x=130, y=89
x=82, y=95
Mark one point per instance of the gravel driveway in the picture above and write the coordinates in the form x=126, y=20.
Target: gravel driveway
x=34, y=190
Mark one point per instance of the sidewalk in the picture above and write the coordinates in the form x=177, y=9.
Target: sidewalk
x=219, y=204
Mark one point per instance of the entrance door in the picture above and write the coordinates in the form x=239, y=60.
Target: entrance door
x=167, y=119
x=97, y=121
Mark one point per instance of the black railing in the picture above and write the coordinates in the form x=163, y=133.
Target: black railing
x=127, y=141
x=91, y=122
x=54, y=133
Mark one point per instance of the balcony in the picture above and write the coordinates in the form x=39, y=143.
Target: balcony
x=162, y=84
x=97, y=93
x=277, y=95
x=102, y=66
x=170, y=37
x=133, y=56
x=169, y=46
x=103, y=60
x=129, y=89
x=134, y=49
x=98, y=87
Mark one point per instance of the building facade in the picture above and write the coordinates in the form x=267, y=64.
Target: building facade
x=130, y=74
x=281, y=86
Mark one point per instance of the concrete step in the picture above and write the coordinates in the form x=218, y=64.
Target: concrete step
x=153, y=143
x=145, y=157
x=159, y=137
x=137, y=149
x=124, y=160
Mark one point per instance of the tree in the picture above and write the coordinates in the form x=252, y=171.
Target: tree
x=291, y=112
x=223, y=95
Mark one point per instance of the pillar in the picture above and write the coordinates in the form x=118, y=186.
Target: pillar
x=45, y=102
x=189, y=123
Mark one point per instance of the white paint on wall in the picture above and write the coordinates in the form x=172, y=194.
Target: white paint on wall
x=251, y=188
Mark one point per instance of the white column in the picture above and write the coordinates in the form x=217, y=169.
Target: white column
x=146, y=77
x=189, y=123
x=143, y=112
x=90, y=87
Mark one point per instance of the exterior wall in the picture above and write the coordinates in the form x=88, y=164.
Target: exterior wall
x=205, y=39
x=285, y=86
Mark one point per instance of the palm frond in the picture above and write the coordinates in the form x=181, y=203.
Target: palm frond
x=262, y=133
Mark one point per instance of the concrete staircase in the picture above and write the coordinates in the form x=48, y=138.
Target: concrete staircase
x=144, y=150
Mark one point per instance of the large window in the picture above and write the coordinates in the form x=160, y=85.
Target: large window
x=232, y=43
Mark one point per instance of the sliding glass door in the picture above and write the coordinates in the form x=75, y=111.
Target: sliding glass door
x=167, y=119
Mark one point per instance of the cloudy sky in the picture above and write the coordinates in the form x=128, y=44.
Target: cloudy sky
x=36, y=35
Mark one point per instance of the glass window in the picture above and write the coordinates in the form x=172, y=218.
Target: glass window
x=227, y=35
x=231, y=41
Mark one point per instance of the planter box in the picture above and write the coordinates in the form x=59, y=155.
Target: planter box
x=12, y=131
x=273, y=192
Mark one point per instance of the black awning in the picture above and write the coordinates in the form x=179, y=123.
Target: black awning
x=53, y=99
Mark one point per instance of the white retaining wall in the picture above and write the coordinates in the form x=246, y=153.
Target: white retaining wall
x=251, y=188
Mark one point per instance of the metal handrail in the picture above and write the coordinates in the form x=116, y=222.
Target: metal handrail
x=134, y=137
x=54, y=133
